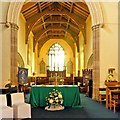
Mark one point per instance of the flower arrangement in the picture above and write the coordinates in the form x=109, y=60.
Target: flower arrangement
x=110, y=76
x=54, y=98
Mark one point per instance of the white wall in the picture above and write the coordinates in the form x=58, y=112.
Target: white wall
x=23, y=47
x=4, y=46
x=82, y=53
x=89, y=42
x=109, y=41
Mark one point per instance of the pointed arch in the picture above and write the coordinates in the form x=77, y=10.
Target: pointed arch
x=70, y=67
x=56, y=57
x=90, y=62
x=94, y=8
x=14, y=11
x=95, y=12
x=42, y=66
x=20, y=60
x=97, y=22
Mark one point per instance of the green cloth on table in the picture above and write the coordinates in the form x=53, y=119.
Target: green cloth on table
x=71, y=95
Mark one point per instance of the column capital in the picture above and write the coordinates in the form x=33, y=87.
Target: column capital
x=14, y=26
x=95, y=27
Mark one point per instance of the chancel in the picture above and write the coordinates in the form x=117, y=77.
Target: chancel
x=69, y=46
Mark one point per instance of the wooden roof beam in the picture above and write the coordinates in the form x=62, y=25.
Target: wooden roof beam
x=79, y=21
x=32, y=21
x=71, y=7
x=28, y=6
x=40, y=33
x=40, y=12
x=61, y=22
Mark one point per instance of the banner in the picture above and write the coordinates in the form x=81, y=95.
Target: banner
x=22, y=75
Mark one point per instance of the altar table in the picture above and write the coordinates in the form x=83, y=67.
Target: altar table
x=71, y=95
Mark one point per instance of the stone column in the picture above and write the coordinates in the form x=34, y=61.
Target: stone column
x=14, y=66
x=96, y=60
x=78, y=64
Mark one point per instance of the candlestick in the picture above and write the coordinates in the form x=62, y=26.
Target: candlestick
x=73, y=79
x=56, y=79
x=51, y=74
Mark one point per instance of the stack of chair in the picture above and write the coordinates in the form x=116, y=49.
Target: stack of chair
x=5, y=111
x=102, y=95
x=21, y=109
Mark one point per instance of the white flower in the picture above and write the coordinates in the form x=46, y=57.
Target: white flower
x=51, y=101
x=54, y=98
x=51, y=96
x=61, y=102
x=55, y=94
x=59, y=96
x=57, y=100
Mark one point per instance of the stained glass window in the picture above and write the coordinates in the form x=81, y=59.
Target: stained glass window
x=56, y=58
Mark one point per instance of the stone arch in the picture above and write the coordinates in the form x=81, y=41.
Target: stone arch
x=95, y=12
x=14, y=11
x=90, y=62
x=97, y=22
x=20, y=60
x=94, y=8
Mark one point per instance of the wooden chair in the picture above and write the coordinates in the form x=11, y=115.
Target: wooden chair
x=102, y=95
x=114, y=99
x=110, y=85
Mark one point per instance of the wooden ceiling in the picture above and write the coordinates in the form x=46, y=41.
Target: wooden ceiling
x=54, y=19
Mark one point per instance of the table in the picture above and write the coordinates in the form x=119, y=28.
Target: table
x=71, y=95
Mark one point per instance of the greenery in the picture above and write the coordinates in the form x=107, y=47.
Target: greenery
x=54, y=98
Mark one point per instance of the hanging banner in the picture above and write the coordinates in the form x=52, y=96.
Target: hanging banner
x=22, y=75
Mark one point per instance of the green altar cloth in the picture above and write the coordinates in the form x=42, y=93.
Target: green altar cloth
x=71, y=95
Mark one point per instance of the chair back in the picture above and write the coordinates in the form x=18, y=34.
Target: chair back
x=17, y=98
x=3, y=100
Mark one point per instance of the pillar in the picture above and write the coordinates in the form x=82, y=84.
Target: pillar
x=14, y=66
x=96, y=61
x=78, y=64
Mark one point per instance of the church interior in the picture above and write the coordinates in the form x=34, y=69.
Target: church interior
x=60, y=44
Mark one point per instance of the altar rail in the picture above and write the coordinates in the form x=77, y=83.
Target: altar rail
x=58, y=73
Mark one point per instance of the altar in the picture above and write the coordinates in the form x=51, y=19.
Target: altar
x=71, y=95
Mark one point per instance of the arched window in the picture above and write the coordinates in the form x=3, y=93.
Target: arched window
x=56, y=58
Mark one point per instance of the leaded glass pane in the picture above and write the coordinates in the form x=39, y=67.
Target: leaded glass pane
x=56, y=58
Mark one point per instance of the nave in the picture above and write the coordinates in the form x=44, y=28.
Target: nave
x=56, y=48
